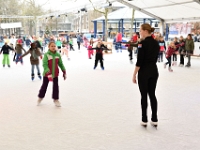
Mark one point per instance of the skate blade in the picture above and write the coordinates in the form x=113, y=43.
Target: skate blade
x=155, y=126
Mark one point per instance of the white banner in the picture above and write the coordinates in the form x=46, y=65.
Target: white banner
x=11, y=25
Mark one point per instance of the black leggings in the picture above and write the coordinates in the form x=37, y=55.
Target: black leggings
x=169, y=61
x=98, y=58
x=174, y=57
x=147, y=85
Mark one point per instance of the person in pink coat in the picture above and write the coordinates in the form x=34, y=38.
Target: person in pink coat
x=90, y=52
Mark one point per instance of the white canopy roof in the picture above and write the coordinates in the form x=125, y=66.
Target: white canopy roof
x=126, y=14
x=167, y=10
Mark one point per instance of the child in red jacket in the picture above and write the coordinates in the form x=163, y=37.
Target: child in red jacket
x=171, y=50
x=89, y=47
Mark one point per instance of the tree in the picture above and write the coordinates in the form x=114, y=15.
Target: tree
x=132, y=21
x=105, y=12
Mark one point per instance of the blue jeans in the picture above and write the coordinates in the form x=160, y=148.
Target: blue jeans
x=118, y=45
x=33, y=68
x=17, y=58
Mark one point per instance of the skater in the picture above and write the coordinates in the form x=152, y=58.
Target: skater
x=59, y=44
x=71, y=44
x=5, y=49
x=182, y=51
x=90, y=52
x=189, y=47
x=130, y=44
x=65, y=50
x=51, y=61
x=99, y=54
x=18, y=50
x=79, y=41
x=119, y=42
x=171, y=50
x=162, y=49
x=35, y=53
x=146, y=68
x=176, y=51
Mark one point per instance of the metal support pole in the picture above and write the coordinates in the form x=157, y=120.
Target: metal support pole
x=135, y=28
x=103, y=27
x=95, y=29
x=167, y=32
x=122, y=27
x=119, y=25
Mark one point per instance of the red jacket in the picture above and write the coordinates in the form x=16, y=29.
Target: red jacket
x=170, y=51
x=119, y=37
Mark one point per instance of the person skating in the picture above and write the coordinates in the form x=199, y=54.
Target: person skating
x=189, y=47
x=34, y=59
x=18, y=50
x=99, y=54
x=130, y=44
x=51, y=61
x=146, y=68
x=170, y=51
x=182, y=51
x=162, y=49
x=6, y=49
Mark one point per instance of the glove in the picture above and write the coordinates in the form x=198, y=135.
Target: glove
x=64, y=75
x=50, y=77
x=20, y=58
x=41, y=57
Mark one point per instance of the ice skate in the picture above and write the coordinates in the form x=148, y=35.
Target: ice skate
x=40, y=77
x=94, y=68
x=39, y=101
x=144, y=124
x=164, y=65
x=57, y=103
x=102, y=68
x=131, y=61
x=3, y=65
x=170, y=69
x=8, y=66
x=154, y=124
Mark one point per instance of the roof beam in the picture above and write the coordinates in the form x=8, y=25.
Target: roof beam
x=197, y=1
x=140, y=9
x=15, y=16
x=174, y=4
x=182, y=19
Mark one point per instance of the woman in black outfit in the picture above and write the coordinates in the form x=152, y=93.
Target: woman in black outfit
x=146, y=68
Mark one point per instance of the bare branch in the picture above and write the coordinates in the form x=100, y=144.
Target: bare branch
x=96, y=9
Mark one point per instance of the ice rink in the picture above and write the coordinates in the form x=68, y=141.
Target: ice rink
x=100, y=109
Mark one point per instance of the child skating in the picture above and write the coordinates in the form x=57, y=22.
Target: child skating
x=51, y=61
x=35, y=53
x=170, y=51
x=6, y=49
x=18, y=50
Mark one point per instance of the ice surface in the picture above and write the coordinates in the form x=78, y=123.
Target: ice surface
x=100, y=109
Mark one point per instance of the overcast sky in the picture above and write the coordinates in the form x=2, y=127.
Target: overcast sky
x=62, y=4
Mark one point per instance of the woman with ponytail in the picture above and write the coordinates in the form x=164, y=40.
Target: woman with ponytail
x=147, y=71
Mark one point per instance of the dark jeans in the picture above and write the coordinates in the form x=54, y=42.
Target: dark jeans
x=44, y=86
x=147, y=81
x=189, y=53
x=98, y=58
x=79, y=45
x=130, y=54
x=182, y=59
x=71, y=47
x=160, y=56
x=169, y=61
x=174, y=57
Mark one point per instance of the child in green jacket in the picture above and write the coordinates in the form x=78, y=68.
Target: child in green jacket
x=51, y=61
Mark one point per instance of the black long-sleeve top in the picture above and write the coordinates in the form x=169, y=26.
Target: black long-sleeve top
x=5, y=49
x=99, y=50
x=148, y=51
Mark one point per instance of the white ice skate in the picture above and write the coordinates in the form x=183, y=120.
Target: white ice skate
x=57, y=103
x=144, y=124
x=154, y=124
x=39, y=101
